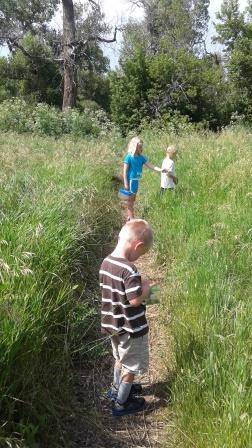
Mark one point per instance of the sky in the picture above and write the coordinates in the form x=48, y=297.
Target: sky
x=115, y=9
x=118, y=12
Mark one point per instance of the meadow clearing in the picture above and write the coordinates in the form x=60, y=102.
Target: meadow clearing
x=203, y=237
x=58, y=216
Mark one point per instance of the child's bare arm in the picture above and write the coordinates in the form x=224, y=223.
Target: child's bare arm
x=125, y=175
x=154, y=168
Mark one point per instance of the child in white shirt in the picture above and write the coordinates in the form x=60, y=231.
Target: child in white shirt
x=169, y=178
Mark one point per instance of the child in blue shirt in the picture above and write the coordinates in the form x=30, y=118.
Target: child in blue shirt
x=133, y=164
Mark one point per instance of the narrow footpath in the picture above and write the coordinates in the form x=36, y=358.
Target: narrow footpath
x=92, y=425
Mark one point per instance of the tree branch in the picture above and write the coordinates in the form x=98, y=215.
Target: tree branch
x=94, y=4
x=108, y=41
x=16, y=44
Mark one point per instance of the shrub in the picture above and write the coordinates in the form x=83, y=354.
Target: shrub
x=15, y=114
x=171, y=123
x=19, y=116
x=47, y=120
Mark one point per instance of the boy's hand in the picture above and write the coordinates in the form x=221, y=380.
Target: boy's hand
x=146, y=287
x=164, y=171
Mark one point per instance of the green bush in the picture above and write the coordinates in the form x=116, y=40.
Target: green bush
x=42, y=119
x=171, y=123
x=47, y=120
x=156, y=86
x=16, y=115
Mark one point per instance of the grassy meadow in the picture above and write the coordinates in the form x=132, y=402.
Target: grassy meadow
x=203, y=238
x=58, y=215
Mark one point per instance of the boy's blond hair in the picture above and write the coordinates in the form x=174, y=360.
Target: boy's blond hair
x=132, y=146
x=137, y=230
x=171, y=149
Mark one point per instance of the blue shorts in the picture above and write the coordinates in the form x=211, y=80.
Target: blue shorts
x=133, y=185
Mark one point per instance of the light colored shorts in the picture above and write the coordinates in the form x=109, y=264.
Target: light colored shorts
x=133, y=353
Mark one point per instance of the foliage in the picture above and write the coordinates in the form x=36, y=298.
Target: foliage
x=57, y=218
x=173, y=123
x=93, y=87
x=230, y=25
x=240, y=69
x=164, y=63
x=134, y=38
x=36, y=66
x=16, y=115
x=19, y=16
x=165, y=66
x=191, y=85
x=129, y=93
x=20, y=116
x=168, y=25
x=203, y=241
x=35, y=79
x=235, y=33
x=152, y=86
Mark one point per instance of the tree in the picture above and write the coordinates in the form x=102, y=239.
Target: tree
x=70, y=81
x=73, y=49
x=153, y=86
x=134, y=38
x=17, y=17
x=174, y=23
x=231, y=24
x=235, y=33
x=34, y=78
x=167, y=48
x=129, y=92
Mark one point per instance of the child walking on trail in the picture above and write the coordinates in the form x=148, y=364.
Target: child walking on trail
x=133, y=164
x=168, y=176
x=124, y=293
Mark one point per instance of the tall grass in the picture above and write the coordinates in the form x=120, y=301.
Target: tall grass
x=57, y=214
x=203, y=236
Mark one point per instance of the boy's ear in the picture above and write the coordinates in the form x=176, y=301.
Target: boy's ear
x=138, y=244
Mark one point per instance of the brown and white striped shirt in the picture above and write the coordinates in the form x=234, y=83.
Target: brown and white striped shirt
x=120, y=282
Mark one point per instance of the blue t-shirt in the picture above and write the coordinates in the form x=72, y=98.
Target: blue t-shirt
x=135, y=165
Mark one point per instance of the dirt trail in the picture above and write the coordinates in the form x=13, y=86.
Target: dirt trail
x=92, y=424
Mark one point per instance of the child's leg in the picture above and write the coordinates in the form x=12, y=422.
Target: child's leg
x=115, y=340
x=133, y=187
x=130, y=207
x=134, y=359
x=125, y=387
x=123, y=379
x=117, y=374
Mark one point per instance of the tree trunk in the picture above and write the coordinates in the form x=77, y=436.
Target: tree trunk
x=70, y=87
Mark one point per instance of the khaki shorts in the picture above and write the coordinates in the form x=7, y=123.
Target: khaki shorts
x=133, y=353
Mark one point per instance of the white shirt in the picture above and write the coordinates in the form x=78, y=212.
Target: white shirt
x=166, y=181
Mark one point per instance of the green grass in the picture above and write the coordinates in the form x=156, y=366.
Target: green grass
x=58, y=214
x=203, y=236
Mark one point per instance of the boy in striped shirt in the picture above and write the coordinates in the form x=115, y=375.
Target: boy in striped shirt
x=123, y=314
